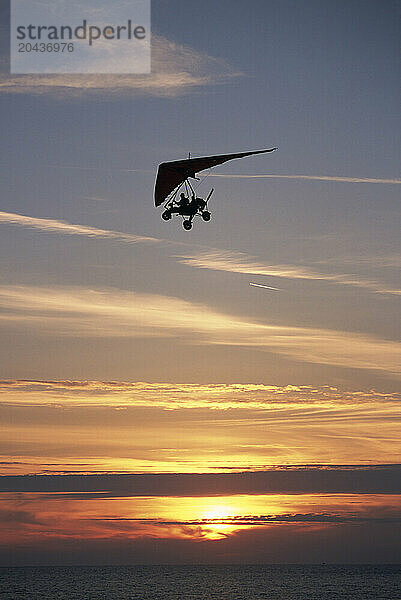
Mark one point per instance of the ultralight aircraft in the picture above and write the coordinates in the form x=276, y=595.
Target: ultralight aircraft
x=175, y=176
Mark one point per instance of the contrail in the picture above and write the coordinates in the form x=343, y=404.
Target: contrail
x=311, y=178
x=267, y=287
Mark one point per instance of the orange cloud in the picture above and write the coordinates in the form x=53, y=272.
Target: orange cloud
x=90, y=426
x=182, y=518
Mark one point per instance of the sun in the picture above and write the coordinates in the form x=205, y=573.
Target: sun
x=218, y=512
x=215, y=522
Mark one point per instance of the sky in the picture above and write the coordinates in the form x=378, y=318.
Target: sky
x=228, y=394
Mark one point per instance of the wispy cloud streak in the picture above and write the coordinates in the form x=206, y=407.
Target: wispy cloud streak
x=55, y=226
x=214, y=259
x=116, y=313
x=312, y=178
x=176, y=70
x=238, y=262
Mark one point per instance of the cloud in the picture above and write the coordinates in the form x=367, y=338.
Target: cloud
x=389, y=261
x=18, y=517
x=76, y=311
x=389, y=181
x=86, y=427
x=291, y=544
x=301, y=401
x=263, y=520
x=55, y=226
x=379, y=479
x=214, y=259
x=238, y=262
x=176, y=70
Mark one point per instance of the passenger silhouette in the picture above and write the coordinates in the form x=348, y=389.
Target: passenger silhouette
x=183, y=201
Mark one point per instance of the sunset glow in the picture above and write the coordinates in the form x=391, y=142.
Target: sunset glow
x=220, y=387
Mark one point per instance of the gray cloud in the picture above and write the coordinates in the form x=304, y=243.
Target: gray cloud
x=288, y=544
x=379, y=479
x=18, y=517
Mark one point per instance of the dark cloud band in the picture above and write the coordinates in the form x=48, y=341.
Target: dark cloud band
x=378, y=479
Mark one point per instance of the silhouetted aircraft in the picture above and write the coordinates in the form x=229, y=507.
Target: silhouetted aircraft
x=175, y=176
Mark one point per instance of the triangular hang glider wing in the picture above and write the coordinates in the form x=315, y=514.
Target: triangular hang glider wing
x=172, y=174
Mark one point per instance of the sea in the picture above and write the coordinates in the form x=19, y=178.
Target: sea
x=202, y=582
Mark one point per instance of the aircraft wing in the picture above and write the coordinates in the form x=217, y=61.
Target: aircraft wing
x=171, y=174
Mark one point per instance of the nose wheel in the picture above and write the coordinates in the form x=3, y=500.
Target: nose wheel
x=187, y=224
x=166, y=215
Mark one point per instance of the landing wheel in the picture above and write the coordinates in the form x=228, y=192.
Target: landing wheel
x=206, y=215
x=166, y=215
x=187, y=225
